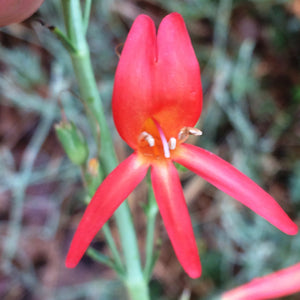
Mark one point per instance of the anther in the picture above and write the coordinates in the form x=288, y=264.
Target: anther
x=145, y=136
x=172, y=143
x=185, y=132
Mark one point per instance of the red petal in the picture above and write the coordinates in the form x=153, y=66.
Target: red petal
x=231, y=181
x=133, y=91
x=157, y=78
x=278, y=284
x=14, y=11
x=177, y=81
x=173, y=209
x=110, y=194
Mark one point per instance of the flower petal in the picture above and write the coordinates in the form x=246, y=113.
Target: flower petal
x=156, y=78
x=177, y=78
x=133, y=86
x=14, y=11
x=110, y=194
x=173, y=209
x=231, y=181
x=278, y=284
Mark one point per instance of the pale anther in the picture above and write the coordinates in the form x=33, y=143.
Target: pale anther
x=195, y=131
x=145, y=136
x=172, y=143
x=185, y=132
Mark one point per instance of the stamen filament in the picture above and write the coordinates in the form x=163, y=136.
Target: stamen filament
x=163, y=140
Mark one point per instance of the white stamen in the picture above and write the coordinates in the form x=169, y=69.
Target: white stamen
x=172, y=143
x=148, y=138
x=195, y=131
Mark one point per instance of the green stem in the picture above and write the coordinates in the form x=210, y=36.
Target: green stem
x=64, y=40
x=86, y=81
x=97, y=256
x=134, y=281
x=113, y=248
x=151, y=212
x=91, y=181
x=86, y=15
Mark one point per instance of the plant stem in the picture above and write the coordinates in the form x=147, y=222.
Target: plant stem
x=151, y=212
x=113, y=248
x=75, y=27
x=97, y=256
x=86, y=14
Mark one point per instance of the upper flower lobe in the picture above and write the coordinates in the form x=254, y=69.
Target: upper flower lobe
x=158, y=77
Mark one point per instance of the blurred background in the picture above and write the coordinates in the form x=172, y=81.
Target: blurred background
x=249, y=57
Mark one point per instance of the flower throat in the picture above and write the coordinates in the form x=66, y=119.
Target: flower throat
x=154, y=144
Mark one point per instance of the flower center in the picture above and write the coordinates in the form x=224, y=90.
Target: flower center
x=153, y=142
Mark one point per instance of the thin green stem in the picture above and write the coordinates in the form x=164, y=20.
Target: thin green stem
x=62, y=37
x=86, y=15
x=151, y=213
x=91, y=181
x=86, y=81
x=99, y=257
x=103, y=259
x=113, y=248
x=135, y=283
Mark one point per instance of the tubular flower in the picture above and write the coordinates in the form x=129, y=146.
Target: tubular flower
x=278, y=284
x=14, y=11
x=157, y=99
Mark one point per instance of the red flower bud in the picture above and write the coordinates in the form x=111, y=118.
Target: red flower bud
x=15, y=11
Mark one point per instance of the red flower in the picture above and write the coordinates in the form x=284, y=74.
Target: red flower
x=278, y=284
x=14, y=11
x=157, y=98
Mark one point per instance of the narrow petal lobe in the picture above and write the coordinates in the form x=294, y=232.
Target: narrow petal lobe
x=133, y=86
x=173, y=209
x=177, y=78
x=234, y=183
x=282, y=283
x=110, y=194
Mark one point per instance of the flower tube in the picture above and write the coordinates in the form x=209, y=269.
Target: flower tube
x=157, y=99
